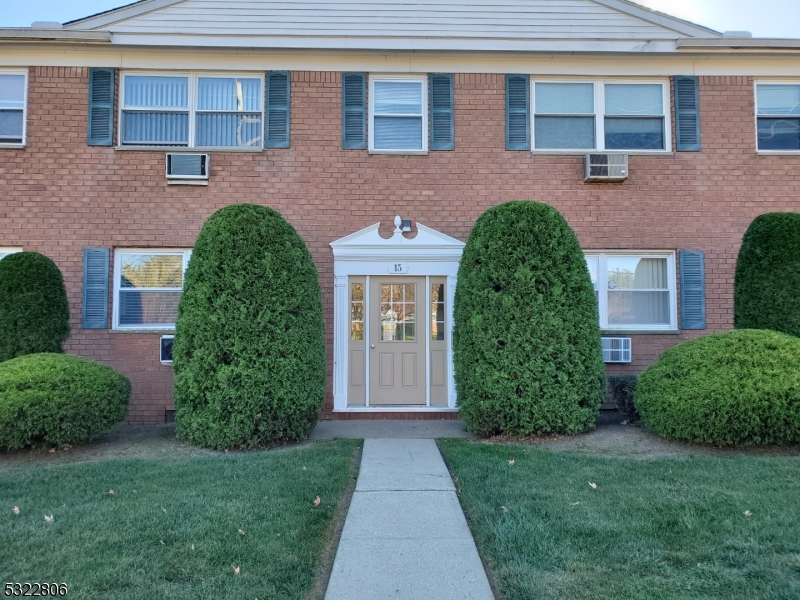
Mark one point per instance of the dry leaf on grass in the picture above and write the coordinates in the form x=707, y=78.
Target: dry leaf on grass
x=192, y=546
x=594, y=485
x=317, y=500
x=236, y=569
x=511, y=462
x=111, y=492
x=304, y=468
x=747, y=513
x=15, y=510
x=48, y=519
x=504, y=509
x=52, y=450
x=241, y=532
x=574, y=503
x=164, y=509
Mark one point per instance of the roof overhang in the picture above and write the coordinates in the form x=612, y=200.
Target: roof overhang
x=738, y=44
x=28, y=34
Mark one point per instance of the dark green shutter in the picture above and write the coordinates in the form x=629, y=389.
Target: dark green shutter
x=101, y=107
x=687, y=114
x=518, y=108
x=693, y=290
x=354, y=110
x=94, y=308
x=441, y=106
x=278, y=102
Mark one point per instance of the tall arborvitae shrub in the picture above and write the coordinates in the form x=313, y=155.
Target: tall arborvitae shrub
x=34, y=312
x=527, y=351
x=766, y=292
x=249, y=352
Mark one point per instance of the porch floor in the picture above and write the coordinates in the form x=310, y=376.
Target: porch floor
x=387, y=428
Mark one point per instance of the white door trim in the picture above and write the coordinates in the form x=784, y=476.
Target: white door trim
x=364, y=253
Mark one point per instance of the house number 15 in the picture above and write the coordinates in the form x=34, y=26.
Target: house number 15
x=398, y=268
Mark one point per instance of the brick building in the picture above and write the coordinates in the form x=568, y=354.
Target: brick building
x=344, y=116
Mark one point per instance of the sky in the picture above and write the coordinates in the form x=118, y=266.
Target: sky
x=764, y=18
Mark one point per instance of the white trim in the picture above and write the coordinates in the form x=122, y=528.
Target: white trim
x=602, y=290
x=756, y=83
x=192, y=111
x=24, y=73
x=366, y=253
x=6, y=251
x=423, y=81
x=118, y=254
x=600, y=114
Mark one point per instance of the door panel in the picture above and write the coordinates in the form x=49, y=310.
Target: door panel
x=438, y=335
x=398, y=336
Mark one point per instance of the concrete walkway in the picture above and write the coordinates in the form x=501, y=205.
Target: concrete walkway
x=405, y=536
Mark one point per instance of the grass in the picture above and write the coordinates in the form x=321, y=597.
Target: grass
x=171, y=529
x=651, y=529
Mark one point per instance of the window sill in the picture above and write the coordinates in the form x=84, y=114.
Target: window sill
x=12, y=146
x=778, y=152
x=177, y=149
x=584, y=152
x=401, y=152
x=187, y=181
x=618, y=332
x=170, y=331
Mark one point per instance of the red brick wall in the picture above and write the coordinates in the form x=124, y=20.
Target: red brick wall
x=60, y=195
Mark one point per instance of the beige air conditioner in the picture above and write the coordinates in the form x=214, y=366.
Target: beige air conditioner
x=605, y=166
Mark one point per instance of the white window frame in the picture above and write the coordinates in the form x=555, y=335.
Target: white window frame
x=756, y=83
x=24, y=109
x=193, y=77
x=423, y=79
x=600, y=115
x=602, y=290
x=118, y=254
x=6, y=251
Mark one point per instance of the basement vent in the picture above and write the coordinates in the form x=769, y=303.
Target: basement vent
x=188, y=168
x=616, y=349
x=605, y=167
x=166, y=349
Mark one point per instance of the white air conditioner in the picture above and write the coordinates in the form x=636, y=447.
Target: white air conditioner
x=616, y=349
x=188, y=168
x=166, y=349
x=605, y=167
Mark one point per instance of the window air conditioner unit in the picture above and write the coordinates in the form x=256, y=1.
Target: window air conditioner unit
x=166, y=349
x=188, y=168
x=616, y=349
x=605, y=167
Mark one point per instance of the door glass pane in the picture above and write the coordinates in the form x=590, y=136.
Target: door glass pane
x=437, y=311
x=356, y=311
x=397, y=312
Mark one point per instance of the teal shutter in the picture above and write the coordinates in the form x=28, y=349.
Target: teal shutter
x=693, y=290
x=278, y=103
x=687, y=114
x=442, y=120
x=94, y=308
x=518, y=109
x=101, y=107
x=354, y=110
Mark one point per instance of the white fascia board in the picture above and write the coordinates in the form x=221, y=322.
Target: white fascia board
x=687, y=28
x=740, y=44
x=396, y=44
x=119, y=14
x=28, y=34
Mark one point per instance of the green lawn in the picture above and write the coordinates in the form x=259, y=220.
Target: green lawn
x=171, y=528
x=651, y=529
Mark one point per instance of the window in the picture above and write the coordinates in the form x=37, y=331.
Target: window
x=634, y=291
x=147, y=287
x=6, y=251
x=195, y=111
x=398, y=110
x=600, y=115
x=778, y=116
x=13, y=88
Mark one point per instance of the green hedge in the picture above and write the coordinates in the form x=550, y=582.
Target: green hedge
x=738, y=387
x=527, y=351
x=34, y=312
x=249, y=352
x=766, y=291
x=58, y=399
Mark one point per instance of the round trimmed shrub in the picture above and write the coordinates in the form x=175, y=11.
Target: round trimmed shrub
x=249, y=351
x=526, y=346
x=766, y=291
x=738, y=387
x=58, y=399
x=34, y=312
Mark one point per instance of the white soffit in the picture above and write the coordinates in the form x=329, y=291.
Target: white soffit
x=511, y=25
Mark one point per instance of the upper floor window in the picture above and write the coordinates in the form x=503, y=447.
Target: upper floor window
x=778, y=116
x=634, y=291
x=147, y=287
x=600, y=115
x=192, y=110
x=13, y=88
x=398, y=114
